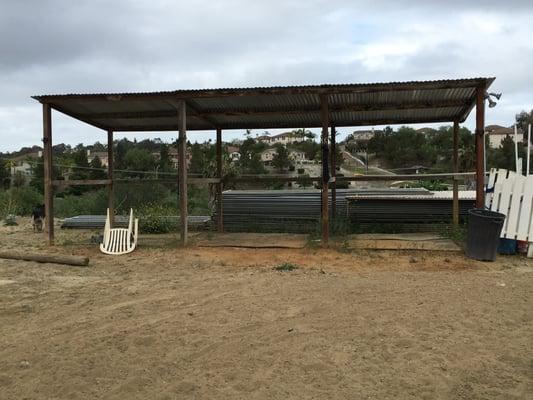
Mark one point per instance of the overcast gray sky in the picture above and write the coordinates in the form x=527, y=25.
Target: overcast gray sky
x=64, y=46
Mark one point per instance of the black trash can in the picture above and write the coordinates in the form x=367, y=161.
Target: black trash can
x=484, y=228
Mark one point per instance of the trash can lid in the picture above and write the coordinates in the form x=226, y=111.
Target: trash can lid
x=481, y=212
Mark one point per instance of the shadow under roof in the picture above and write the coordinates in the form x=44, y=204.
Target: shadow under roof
x=276, y=107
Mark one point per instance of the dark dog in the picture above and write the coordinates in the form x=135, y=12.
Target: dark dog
x=37, y=217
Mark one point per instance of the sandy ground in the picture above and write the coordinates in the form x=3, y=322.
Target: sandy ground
x=221, y=323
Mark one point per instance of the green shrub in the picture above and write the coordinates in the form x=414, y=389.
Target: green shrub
x=154, y=218
x=146, y=198
x=456, y=234
x=198, y=200
x=18, y=201
x=10, y=220
x=90, y=203
x=435, y=185
x=141, y=194
x=285, y=267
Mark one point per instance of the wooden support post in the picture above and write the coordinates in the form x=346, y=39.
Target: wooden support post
x=455, y=170
x=324, y=114
x=220, y=217
x=480, y=151
x=182, y=170
x=110, y=187
x=48, y=174
x=333, y=173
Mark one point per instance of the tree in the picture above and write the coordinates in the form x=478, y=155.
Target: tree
x=281, y=159
x=165, y=165
x=250, y=159
x=339, y=158
x=97, y=147
x=97, y=171
x=304, y=180
x=9, y=166
x=304, y=134
x=309, y=147
x=37, y=174
x=255, y=165
x=121, y=148
x=504, y=156
x=81, y=163
x=18, y=179
x=197, y=159
x=523, y=119
x=139, y=160
x=4, y=173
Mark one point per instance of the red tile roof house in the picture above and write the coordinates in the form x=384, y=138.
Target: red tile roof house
x=497, y=133
x=283, y=138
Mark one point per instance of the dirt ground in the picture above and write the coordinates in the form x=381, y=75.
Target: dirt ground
x=221, y=323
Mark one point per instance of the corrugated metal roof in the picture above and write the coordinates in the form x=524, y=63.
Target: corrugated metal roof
x=276, y=106
x=433, y=195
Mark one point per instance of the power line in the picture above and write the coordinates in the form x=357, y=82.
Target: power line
x=105, y=169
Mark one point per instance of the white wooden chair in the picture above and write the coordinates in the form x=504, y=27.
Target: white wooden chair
x=120, y=240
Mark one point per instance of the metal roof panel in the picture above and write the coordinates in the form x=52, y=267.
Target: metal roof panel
x=276, y=106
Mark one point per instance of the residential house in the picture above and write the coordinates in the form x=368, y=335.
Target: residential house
x=173, y=154
x=268, y=155
x=297, y=156
x=497, y=133
x=282, y=138
x=234, y=154
x=23, y=165
x=364, y=135
x=427, y=132
x=264, y=139
x=102, y=155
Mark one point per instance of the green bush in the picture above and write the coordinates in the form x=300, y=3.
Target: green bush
x=154, y=218
x=285, y=267
x=198, y=200
x=19, y=201
x=90, y=203
x=140, y=194
x=147, y=199
x=435, y=185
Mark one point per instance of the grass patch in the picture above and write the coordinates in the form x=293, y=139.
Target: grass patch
x=285, y=267
x=10, y=220
x=456, y=234
x=313, y=241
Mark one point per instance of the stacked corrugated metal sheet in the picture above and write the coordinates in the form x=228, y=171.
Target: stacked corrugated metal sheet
x=295, y=211
x=98, y=221
x=407, y=209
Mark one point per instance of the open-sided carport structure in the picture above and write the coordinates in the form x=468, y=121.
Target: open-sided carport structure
x=325, y=106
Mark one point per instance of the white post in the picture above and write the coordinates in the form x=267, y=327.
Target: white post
x=528, y=147
x=516, y=148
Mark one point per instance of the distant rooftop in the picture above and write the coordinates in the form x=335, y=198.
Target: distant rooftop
x=501, y=130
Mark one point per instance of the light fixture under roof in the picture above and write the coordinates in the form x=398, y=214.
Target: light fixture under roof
x=492, y=103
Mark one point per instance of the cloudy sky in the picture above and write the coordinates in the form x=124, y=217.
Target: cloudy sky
x=64, y=46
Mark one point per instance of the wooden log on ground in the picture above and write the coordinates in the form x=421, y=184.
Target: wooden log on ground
x=46, y=258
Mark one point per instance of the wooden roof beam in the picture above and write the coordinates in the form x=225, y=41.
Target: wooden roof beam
x=284, y=125
x=193, y=112
x=208, y=115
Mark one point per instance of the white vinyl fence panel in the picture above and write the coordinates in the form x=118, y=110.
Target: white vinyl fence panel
x=512, y=195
